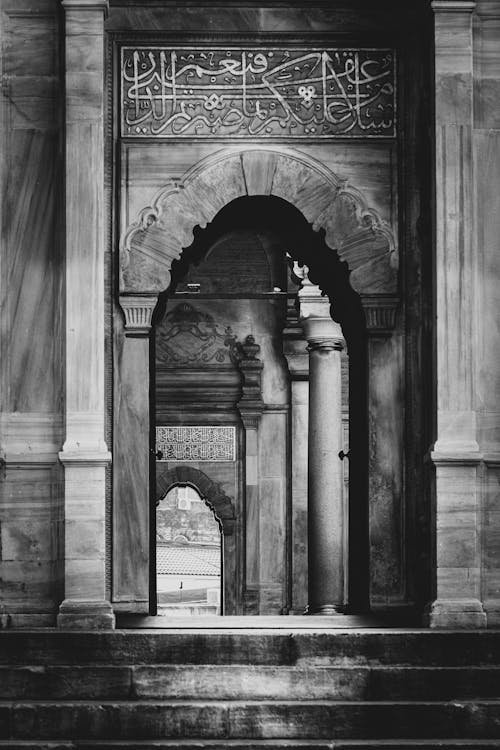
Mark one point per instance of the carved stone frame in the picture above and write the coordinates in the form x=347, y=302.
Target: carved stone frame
x=364, y=241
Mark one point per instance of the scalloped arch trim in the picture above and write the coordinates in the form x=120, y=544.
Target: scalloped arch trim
x=209, y=490
x=356, y=231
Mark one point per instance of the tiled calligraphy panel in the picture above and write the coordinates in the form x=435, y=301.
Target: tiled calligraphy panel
x=261, y=92
x=196, y=443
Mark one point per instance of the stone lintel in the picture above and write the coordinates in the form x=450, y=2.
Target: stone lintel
x=75, y=614
x=455, y=613
x=138, y=311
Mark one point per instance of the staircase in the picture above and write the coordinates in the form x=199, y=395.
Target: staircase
x=152, y=690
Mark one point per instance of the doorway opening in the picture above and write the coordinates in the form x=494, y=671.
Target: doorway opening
x=188, y=554
x=236, y=283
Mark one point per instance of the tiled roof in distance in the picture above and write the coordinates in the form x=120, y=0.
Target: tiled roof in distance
x=188, y=560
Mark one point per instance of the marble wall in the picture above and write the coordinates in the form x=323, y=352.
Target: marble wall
x=486, y=159
x=395, y=180
x=31, y=424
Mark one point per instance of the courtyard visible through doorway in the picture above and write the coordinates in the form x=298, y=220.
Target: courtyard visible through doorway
x=188, y=555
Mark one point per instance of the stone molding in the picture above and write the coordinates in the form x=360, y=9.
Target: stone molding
x=75, y=614
x=138, y=313
x=453, y=6
x=451, y=458
x=463, y=614
x=356, y=231
x=84, y=458
x=30, y=439
x=87, y=5
x=492, y=460
x=251, y=404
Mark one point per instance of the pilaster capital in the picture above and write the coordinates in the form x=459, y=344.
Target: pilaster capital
x=453, y=6
x=138, y=313
x=380, y=313
x=99, y=6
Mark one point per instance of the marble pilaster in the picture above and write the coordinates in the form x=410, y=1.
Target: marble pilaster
x=250, y=407
x=456, y=452
x=85, y=454
x=325, y=512
x=385, y=360
x=131, y=450
x=296, y=355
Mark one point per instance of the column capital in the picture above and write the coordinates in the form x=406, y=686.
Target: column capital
x=101, y=6
x=380, y=313
x=323, y=333
x=138, y=313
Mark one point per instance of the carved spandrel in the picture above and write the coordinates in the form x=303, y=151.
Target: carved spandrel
x=174, y=92
x=189, y=336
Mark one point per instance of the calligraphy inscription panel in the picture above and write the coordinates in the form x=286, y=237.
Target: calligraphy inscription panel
x=196, y=443
x=274, y=93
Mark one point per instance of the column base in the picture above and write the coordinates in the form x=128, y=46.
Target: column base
x=85, y=615
x=324, y=610
x=459, y=614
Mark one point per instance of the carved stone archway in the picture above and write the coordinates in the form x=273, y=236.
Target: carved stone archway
x=360, y=237
x=357, y=232
x=210, y=491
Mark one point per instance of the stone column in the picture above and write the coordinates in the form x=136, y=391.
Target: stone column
x=456, y=453
x=84, y=454
x=326, y=521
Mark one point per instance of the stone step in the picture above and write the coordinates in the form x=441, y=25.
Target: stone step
x=315, y=720
x=242, y=682
x=435, y=744
x=300, y=648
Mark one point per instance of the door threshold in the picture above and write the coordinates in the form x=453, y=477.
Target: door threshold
x=250, y=622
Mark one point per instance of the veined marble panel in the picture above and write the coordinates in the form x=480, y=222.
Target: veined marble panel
x=487, y=66
x=31, y=428
x=33, y=324
x=386, y=510
x=273, y=19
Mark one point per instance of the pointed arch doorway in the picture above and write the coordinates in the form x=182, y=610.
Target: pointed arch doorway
x=194, y=536
x=360, y=241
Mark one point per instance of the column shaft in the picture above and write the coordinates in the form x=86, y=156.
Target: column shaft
x=325, y=512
